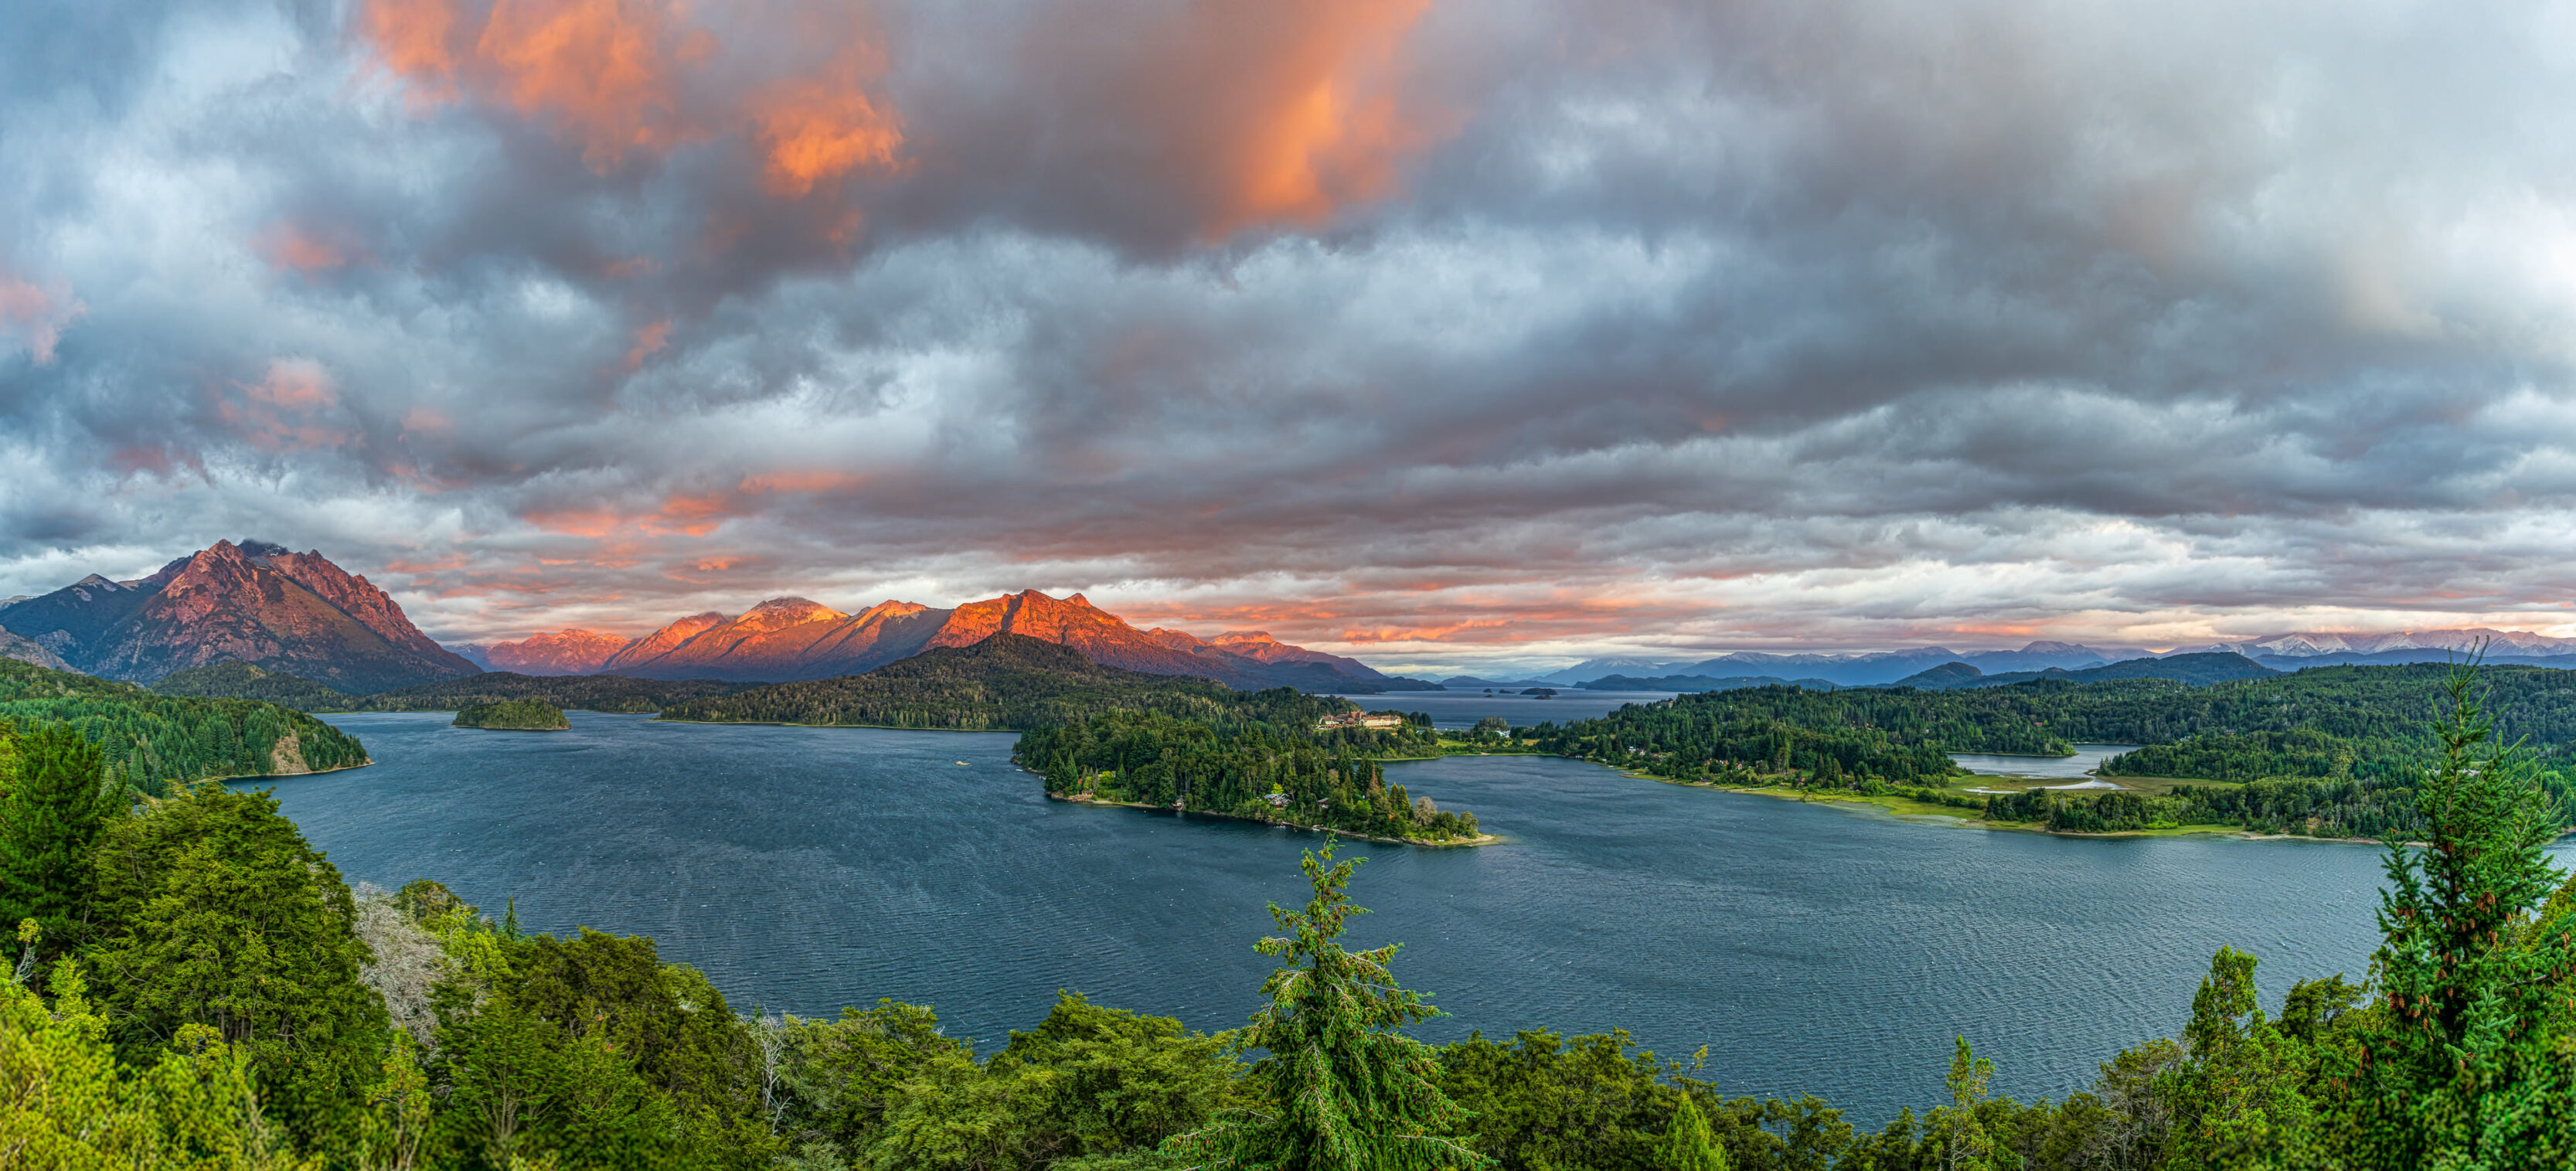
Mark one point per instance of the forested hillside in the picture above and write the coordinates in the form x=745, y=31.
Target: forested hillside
x=155, y=741
x=595, y=693
x=2336, y=750
x=1006, y=682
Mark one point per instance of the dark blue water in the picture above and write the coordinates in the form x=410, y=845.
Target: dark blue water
x=1808, y=947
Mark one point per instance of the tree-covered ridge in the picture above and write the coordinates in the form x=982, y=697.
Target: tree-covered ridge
x=2332, y=751
x=1006, y=682
x=596, y=693
x=524, y=715
x=155, y=741
x=1280, y=773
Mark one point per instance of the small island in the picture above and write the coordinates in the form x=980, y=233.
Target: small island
x=514, y=715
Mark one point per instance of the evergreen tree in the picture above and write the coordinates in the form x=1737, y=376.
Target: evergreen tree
x=2473, y=969
x=49, y=820
x=1688, y=1144
x=1346, y=1091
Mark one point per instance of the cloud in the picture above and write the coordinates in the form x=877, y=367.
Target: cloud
x=1443, y=333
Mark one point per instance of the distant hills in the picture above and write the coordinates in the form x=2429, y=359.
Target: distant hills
x=598, y=693
x=2287, y=652
x=252, y=603
x=1697, y=683
x=793, y=640
x=2198, y=670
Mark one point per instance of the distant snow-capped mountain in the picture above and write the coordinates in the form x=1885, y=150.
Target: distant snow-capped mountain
x=2434, y=642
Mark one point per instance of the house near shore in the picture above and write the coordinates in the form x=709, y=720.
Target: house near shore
x=1358, y=720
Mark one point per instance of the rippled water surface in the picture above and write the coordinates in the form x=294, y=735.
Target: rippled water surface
x=2087, y=758
x=1810, y=948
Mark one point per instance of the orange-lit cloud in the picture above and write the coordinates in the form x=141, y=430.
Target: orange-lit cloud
x=648, y=341
x=292, y=246
x=293, y=408
x=638, y=77
x=817, y=129
x=33, y=318
x=773, y=482
x=1304, y=115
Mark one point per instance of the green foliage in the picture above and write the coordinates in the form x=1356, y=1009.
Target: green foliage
x=2469, y=1064
x=211, y=910
x=237, y=680
x=596, y=693
x=533, y=715
x=1343, y=1088
x=68, y=1104
x=1278, y=772
x=2328, y=751
x=155, y=742
x=1688, y=1144
x=1006, y=681
x=53, y=803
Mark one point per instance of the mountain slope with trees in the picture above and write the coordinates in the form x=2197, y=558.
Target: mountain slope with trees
x=1003, y=682
x=154, y=742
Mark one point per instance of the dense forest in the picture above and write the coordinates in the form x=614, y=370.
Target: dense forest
x=595, y=693
x=1007, y=682
x=2329, y=751
x=197, y=987
x=518, y=715
x=153, y=742
x=1281, y=772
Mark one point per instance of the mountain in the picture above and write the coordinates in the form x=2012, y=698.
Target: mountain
x=2198, y=670
x=565, y=652
x=28, y=650
x=1596, y=668
x=1871, y=668
x=1004, y=680
x=2406, y=646
x=1698, y=683
x=793, y=639
x=252, y=603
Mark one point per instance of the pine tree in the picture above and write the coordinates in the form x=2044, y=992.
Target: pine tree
x=2475, y=965
x=49, y=821
x=1688, y=1143
x=1346, y=1090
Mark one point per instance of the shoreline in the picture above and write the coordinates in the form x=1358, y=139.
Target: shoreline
x=310, y=772
x=656, y=718
x=1482, y=839
x=1961, y=819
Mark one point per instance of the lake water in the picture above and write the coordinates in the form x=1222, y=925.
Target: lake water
x=2087, y=758
x=1809, y=947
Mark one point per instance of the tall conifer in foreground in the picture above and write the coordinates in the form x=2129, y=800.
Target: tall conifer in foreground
x=50, y=817
x=1345, y=1090
x=2465, y=1069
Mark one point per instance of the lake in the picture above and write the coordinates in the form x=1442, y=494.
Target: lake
x=1809, y=947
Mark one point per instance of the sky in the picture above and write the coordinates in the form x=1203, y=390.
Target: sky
x=1445, y=334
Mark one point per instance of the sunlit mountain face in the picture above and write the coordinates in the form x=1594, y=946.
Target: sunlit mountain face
x=1456, y=338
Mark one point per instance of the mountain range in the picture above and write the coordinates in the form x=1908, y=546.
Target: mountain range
x=785, y=640
x=2284, y=652
x=253, y=603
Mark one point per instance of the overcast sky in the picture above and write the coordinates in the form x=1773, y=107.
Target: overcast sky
x=1441, y=333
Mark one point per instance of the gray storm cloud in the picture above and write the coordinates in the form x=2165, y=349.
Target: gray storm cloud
x=1435, y=332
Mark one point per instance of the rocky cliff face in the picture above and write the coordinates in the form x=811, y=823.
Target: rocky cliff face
x=251, y=603
x=565, y=652
x=789, y=639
